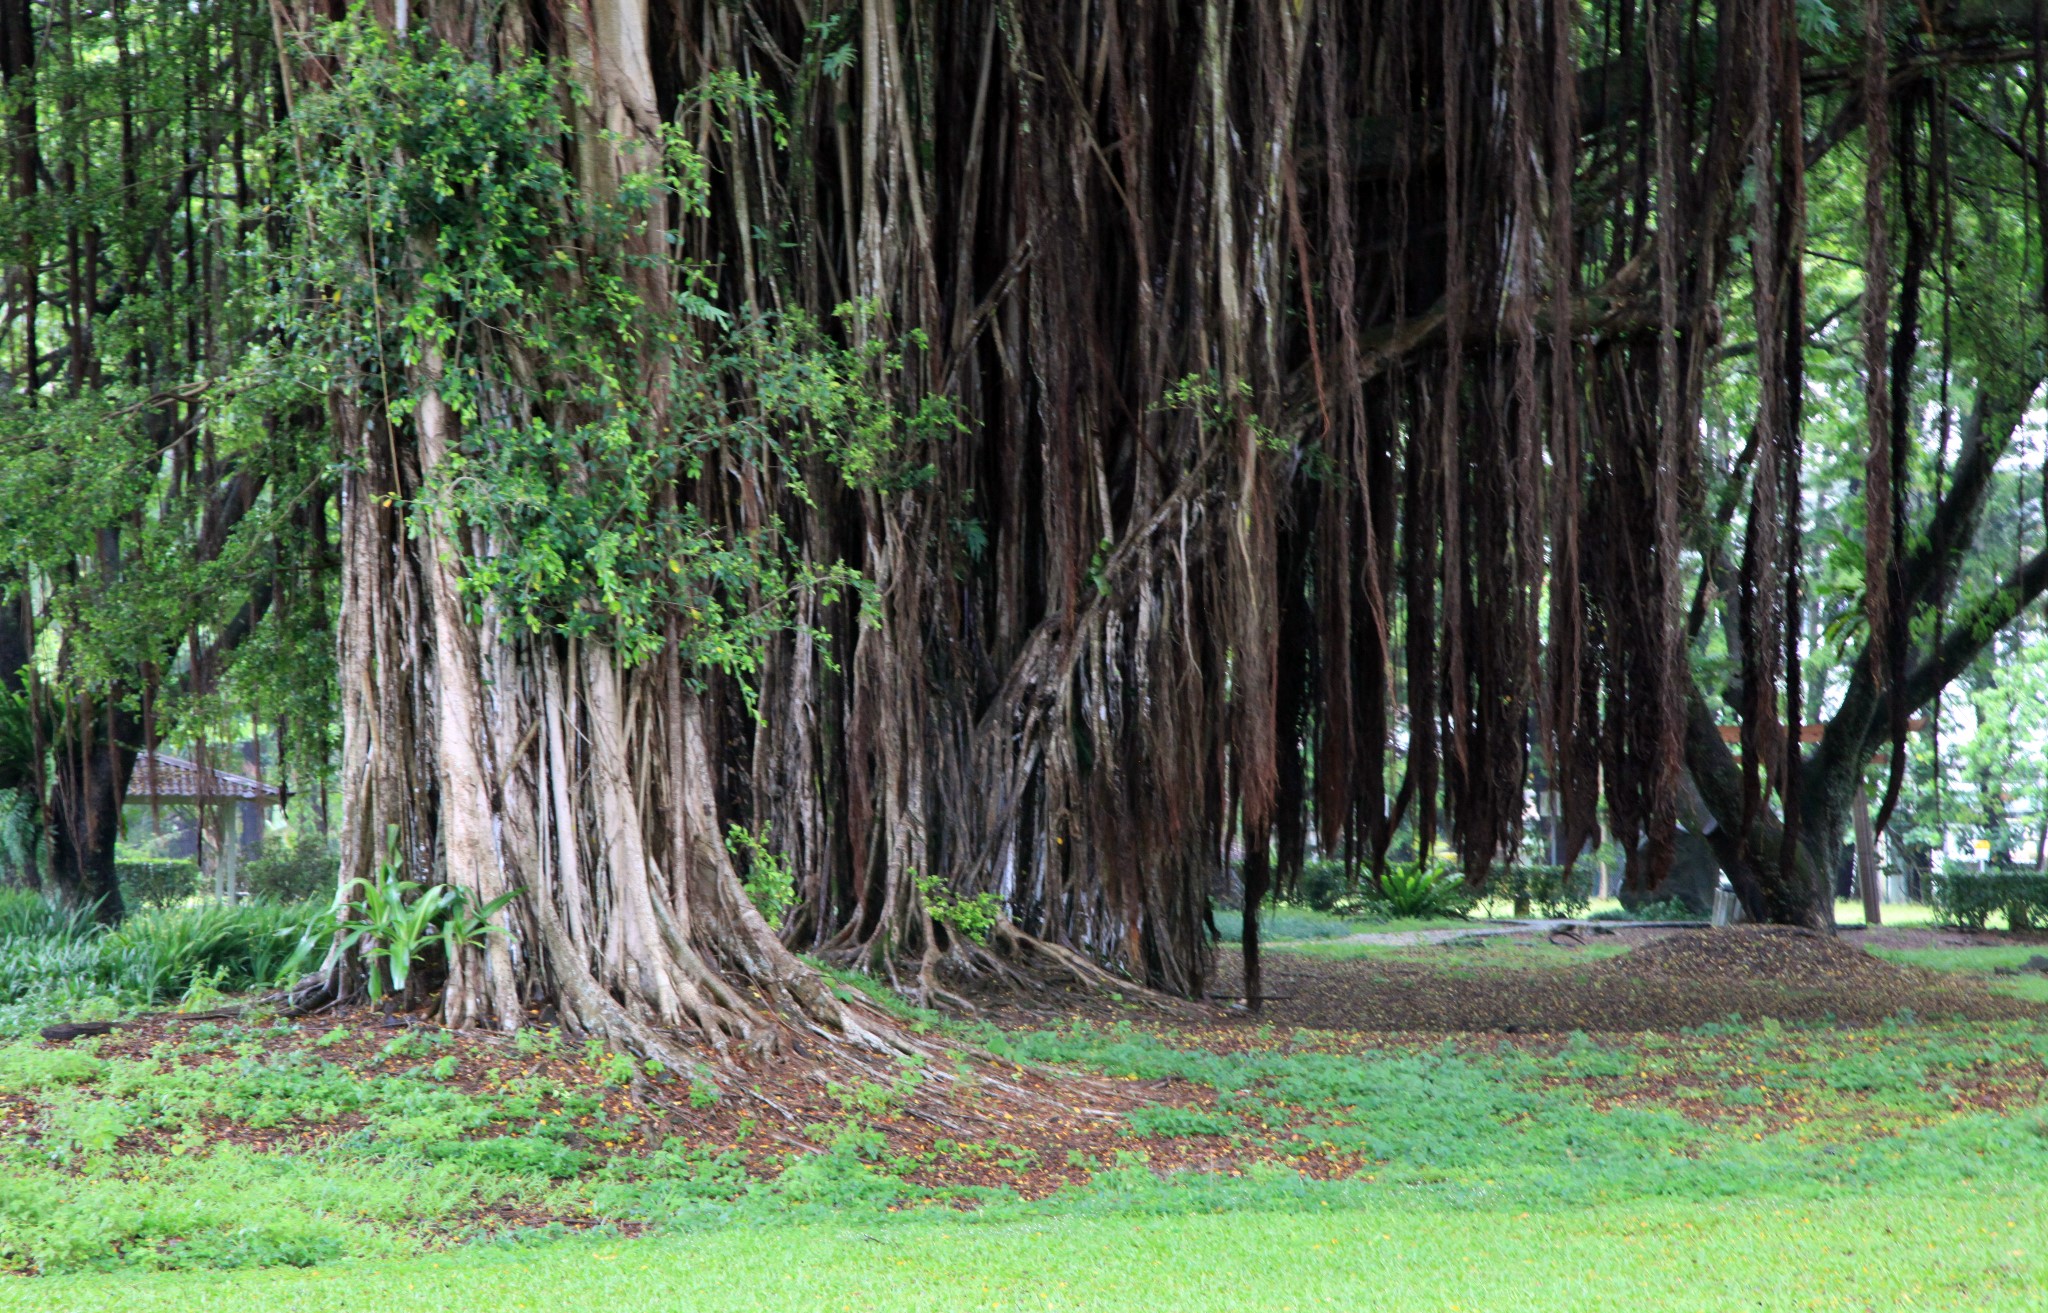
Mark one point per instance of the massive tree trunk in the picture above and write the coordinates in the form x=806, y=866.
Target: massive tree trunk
x=536, y=757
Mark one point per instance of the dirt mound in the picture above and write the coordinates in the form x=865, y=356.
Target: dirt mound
x=1688, y=978
x=1777, y=955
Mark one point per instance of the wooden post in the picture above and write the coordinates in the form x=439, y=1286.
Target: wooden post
x=1867, y=878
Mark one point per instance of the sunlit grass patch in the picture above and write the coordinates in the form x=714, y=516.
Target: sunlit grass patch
x=1981, y=959
x=1949, y=1247
x=1849, y=914
x=1286, y=923
x=1985, y=957
x=1477, y=951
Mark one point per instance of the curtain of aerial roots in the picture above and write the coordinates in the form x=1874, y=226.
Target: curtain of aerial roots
x=1168, y=602
x=1296, y=381
x=1124, y=638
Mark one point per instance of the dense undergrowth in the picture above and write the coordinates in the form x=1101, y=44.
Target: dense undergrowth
x=56, y=961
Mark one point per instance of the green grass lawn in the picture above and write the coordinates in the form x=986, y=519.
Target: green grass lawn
x=1485, y=950
x=1888, y=1249
x=1974, y=958
x=1287, y=924
x=1737, y=1164
x=1984, y=960
x=1849, y=912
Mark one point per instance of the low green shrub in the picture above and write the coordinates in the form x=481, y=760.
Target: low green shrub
x=1322, y=886
x=1178, y=1123
x=247, y=946
x=1420, y=889
x=1324, y=907
x=26, y=914
x=157, y=881
x=1550, y=890
x=56, y=960
x=1968, y=898
x=305, y=868
x=1664, y=909
x=395, y=924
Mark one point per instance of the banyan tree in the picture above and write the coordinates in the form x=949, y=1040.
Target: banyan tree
x=995, y=462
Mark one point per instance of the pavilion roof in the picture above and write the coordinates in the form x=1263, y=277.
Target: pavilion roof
x=160, y=777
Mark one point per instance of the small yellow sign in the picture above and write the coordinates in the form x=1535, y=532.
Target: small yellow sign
x=1983, y=847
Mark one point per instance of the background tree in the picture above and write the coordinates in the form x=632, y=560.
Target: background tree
x=163, y=507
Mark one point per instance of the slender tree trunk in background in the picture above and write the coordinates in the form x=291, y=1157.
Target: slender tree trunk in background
x=1868, y=881
x=1258, y=881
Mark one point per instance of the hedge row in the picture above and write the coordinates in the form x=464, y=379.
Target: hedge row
x=162, y=882
x=1967, y=898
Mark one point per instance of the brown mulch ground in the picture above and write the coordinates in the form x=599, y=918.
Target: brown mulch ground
x=1688, y=978
x=968, y=1119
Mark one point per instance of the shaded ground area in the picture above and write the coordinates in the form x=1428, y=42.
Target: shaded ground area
x=1669, y=981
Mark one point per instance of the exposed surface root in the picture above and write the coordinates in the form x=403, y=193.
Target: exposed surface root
x=952, y=972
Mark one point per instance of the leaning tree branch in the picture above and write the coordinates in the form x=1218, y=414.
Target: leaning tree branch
x=1970, y=634
x=1830, y=772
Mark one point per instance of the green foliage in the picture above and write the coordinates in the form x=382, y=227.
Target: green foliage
x=613, y=1068
x=1968, y=898
x=306, y=867
x=1176, y=1123
x=1323, y=886
x=393, y=922
x=157, y=881
x=1663, y=909
x=248, y=946
x=1216, y=408
x=18, y=756
x=765, y=874
x=21, y=837
x=156, y=478
x=973, y=916
x=57, y=961
x=1549, y=889
x=530, y=1041
x=447, y=236
x=27, y=915
x=1285, y=921
x=1421, y=889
